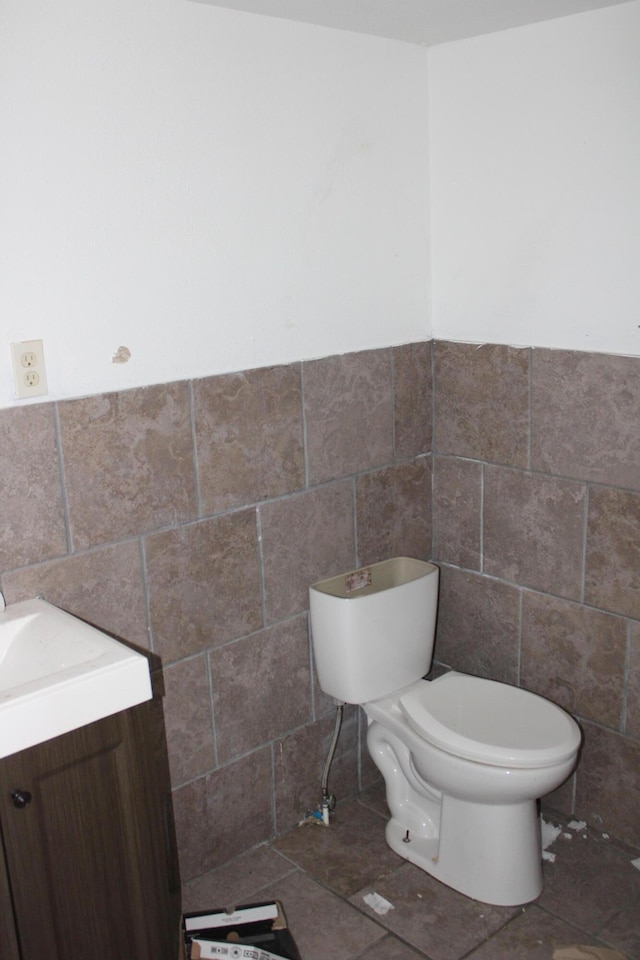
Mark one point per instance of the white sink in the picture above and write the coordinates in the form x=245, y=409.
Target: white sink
x=58, y=674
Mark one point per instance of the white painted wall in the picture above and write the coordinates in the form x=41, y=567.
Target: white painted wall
x=217, y=190
x=213, y=190
x=535, y=173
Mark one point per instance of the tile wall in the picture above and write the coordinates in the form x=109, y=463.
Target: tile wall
x=190, y=517
x=536, y=526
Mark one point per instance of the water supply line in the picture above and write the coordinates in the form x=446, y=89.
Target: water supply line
x=328, y=799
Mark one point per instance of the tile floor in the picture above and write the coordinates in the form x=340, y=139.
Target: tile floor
x=591, y=895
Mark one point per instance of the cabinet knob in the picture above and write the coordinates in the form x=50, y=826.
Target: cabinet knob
x=21, y=799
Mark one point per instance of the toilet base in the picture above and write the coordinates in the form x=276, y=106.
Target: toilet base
x=489, y=853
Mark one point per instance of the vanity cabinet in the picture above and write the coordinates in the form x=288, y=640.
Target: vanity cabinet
x=88, y=864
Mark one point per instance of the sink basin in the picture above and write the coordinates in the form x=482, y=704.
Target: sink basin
x=58, y=674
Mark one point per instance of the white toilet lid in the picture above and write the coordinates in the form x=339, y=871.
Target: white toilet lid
x=489, y=721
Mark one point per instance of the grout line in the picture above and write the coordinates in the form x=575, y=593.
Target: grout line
x=194, y=447
x=263, y=599
x=212, y=712
x=394, y=453
x=303, y=421
x=585, y=540
x=274, y=805
x=481, y=538
x=519, y=648
x=625, y=682
x=63, y=480
x=530, y=407
x=146, y=598
x=433, y=397
x=354, y=513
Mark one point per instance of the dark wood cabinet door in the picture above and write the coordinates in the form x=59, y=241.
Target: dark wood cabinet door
x=86, y=844
x=8, y=933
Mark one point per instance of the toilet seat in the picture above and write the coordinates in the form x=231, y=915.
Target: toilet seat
x=490, y=722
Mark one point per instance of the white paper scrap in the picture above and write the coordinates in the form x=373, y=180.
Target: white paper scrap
x=549, y=832
x=577, y=824
x=636, y=863
x=378, y=903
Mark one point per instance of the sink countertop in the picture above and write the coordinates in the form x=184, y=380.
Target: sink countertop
x=58, y=673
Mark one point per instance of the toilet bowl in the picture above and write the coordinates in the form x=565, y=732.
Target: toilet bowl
x=464, y=759
x=473, y=756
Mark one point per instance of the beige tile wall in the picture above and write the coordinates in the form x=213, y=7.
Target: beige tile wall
x=536, y=526
x=190, y=518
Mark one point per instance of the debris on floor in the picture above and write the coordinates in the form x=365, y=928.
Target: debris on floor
x=549, y=834
x=312, y=816
x=257, y=932
x=577, y=825
x=378, y=903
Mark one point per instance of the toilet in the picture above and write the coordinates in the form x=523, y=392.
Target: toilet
x=464, y=759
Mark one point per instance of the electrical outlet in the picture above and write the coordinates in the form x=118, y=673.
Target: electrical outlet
x=29, y=374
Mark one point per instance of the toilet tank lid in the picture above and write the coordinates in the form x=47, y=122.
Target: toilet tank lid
x=490, y=722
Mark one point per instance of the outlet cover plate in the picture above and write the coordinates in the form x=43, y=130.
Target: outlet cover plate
x=29, y=374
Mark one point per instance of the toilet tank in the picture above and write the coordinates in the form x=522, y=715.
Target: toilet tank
x=373, y=628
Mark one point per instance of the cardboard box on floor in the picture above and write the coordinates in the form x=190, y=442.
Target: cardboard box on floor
x=257, y=931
